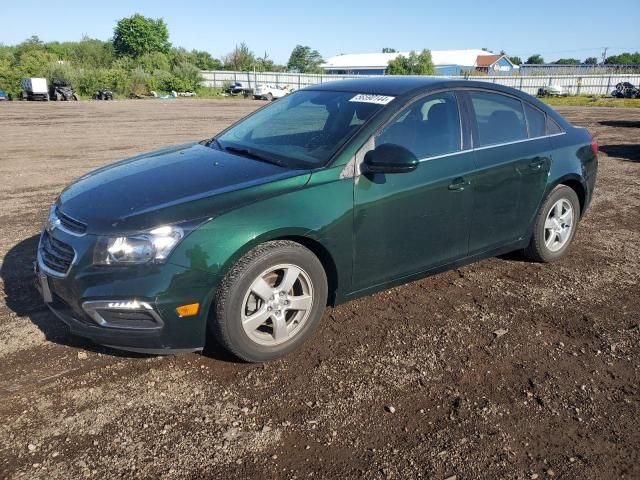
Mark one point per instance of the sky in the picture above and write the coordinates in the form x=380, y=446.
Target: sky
x=553, y=28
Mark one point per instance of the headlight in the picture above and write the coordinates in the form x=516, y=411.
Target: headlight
x=148, y=247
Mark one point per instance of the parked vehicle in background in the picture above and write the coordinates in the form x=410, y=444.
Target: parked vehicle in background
x=239, y=88
x=552, y=91
x=61, y=91
x=270, y=92
x=103, y=94
x=34, y=89
x=3, y=96
x=331, y=193
x=626, y=90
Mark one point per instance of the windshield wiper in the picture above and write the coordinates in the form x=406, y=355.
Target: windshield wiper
x=245, y=152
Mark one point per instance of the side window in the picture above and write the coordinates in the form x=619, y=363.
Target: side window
x=428, y=127
x=500, y=118
x=552, y=127
x=535, y=120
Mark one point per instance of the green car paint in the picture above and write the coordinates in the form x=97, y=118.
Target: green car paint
x=370, y=231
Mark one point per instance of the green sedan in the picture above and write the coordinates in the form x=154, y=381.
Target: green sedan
x=331, y=193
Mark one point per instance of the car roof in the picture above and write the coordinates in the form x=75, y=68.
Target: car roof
x=407, y=86
x=383, y=85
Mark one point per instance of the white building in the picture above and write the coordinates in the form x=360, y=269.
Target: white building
x=447, y=62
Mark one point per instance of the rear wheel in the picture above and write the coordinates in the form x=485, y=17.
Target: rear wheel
x=555, y=225
x=270, y=302
x=269, y=96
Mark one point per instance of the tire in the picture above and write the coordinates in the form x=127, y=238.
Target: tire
x=264, y=269
x=555, y=225
x=269, y=97
x=74, y=97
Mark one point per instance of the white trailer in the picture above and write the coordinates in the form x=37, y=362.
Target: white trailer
x=35, y=89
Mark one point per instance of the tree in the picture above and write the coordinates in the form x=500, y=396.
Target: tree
x=591, y=61
x=535, y=59
x=265, y=64
x=240, y=58
x=138, y=35
x=304, y=60
x=203, y=60
x=567, y=61
x=624, y=59
x=389, y=50
x=414, y=64
x=515, y=60
x=89, y=51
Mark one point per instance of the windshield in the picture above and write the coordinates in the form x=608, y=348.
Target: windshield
x=301, y=130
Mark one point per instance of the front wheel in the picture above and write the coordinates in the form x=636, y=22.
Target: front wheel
x=270, y=302
x=555, y=225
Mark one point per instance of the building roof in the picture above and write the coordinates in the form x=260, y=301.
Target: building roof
x=381, y=60
x=487, y=60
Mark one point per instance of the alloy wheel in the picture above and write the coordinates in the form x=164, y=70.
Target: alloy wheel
x=558, y=225
x=277, y=305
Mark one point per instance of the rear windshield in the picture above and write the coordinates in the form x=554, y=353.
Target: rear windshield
x=303, y=129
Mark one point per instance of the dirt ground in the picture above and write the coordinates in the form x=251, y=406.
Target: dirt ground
x=557, y=395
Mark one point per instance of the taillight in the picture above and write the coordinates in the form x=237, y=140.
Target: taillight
x=594, y=146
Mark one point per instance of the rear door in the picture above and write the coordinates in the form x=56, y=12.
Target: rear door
x=512, y=169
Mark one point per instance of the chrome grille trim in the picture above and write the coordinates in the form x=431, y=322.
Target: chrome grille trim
x=55, y=258
x=69, y=224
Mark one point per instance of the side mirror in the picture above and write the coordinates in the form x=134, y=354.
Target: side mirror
x=390, y=158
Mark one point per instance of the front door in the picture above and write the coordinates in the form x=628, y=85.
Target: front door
x=406, y=223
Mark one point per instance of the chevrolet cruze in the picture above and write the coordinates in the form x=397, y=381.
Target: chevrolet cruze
x=333, y=192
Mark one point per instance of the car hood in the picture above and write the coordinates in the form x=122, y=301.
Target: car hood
x=180, y=183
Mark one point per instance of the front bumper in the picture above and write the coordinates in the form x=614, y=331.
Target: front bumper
x=130, y=308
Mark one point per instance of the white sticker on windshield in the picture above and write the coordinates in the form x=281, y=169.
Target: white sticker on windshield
x=369, y=98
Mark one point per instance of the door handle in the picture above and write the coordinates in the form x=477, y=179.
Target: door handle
x=458, y=184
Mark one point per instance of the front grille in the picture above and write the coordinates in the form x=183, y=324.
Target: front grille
x=56, y=255
x=71, y=224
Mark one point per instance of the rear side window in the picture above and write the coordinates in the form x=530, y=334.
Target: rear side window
x=428, y=127
x=535, y=120
x=552, y=127
x=499, y=118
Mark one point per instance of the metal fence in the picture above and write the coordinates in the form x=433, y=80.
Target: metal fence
x=220, y=78
x=574, y=84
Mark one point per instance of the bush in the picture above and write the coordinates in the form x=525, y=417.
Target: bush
x=90, y=65
x=186, y=77
x=139, y=82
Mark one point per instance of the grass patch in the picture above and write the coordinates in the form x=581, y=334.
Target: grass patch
x=592, y=101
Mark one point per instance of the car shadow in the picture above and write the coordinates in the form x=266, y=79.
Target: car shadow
x=621, y=123
x=626, y=151
x=22, y=297
x=515, y=256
